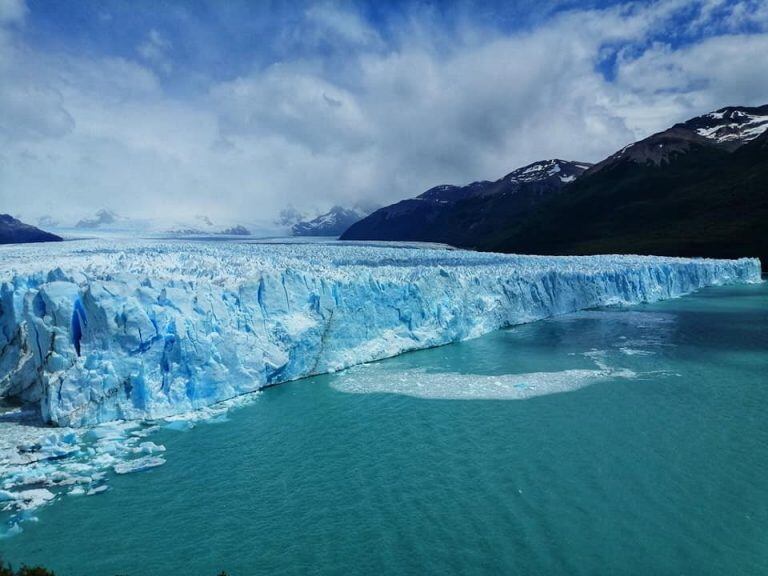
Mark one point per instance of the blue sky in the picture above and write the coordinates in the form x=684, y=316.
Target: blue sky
x=236, y=109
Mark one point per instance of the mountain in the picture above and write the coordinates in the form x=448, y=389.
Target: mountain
x=332, y=223
x=13, y=231
x=238, y=230
x=697, y=189
x=102, y=217
x=460, y=214
x=726, y=129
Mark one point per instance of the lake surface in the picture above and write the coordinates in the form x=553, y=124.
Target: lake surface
x=617, y=441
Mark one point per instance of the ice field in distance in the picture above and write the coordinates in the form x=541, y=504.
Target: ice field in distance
x=96, y=331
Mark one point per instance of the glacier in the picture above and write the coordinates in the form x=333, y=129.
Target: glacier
x=95, y=331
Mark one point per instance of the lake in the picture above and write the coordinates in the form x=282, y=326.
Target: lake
x=614, y=441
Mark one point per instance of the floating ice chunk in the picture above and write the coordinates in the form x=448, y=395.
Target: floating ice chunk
x=111, y=431
x=148, y=448
x=139, y=464
x=34, y=498
x=37, y=464
x=6, y=496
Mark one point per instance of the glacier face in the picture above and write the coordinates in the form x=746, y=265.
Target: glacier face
x=93, y=331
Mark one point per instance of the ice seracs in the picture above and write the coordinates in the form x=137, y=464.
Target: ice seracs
x=93, y=332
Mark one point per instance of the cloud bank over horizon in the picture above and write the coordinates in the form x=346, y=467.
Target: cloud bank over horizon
x=238, y=110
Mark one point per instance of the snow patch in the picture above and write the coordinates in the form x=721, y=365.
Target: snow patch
x=748, y=127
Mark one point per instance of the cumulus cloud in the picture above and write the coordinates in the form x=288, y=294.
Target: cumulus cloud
x=366, y=116
x=294, y=103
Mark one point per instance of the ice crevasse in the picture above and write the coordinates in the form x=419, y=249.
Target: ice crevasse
x=92, y=332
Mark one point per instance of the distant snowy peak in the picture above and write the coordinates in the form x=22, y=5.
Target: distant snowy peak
x=460, y=215
x=732, y=124
x=564, y=170
x=332, y=223
x=103, y=217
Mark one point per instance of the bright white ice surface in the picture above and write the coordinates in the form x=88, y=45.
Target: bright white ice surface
x=95, y=331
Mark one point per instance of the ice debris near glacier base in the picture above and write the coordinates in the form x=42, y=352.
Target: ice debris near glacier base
x=92, y=331
x=40, y=465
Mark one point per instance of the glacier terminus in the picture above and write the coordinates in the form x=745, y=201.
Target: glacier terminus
x=96, y=331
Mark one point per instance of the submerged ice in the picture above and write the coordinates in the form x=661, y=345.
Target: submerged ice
x=92, y=332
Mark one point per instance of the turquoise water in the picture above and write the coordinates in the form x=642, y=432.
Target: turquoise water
x=655, y=463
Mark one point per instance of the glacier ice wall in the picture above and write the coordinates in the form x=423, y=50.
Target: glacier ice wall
x=93, y=332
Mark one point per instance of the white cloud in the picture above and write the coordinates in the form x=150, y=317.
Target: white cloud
x=12, y=11
x=155, y=50
x=294, y=103
x=730, y=68
x=377, y=122
x=331, y=23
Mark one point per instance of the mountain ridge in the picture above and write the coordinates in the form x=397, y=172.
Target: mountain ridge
x=332, y=223
x=697, y=188
x=704, y=199
x=14, y=231
x=439, y=214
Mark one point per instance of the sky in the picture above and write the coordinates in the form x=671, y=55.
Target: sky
x=237, y=109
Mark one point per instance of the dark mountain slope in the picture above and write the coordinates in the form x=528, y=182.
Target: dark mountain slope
x=460, y=214
x=696, y=189
x=700, y=199
x=13, y=231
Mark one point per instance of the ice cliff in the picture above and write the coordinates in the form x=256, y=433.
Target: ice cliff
x=92, y=332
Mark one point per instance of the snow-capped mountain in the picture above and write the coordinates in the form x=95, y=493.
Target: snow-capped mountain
x=732, y=124
x=103, y=217
x=548, y=169
x=14, y=231
x=727, y=129
x=549, y=172
x=459, y=214
x=695, y=189
x=332, y=223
